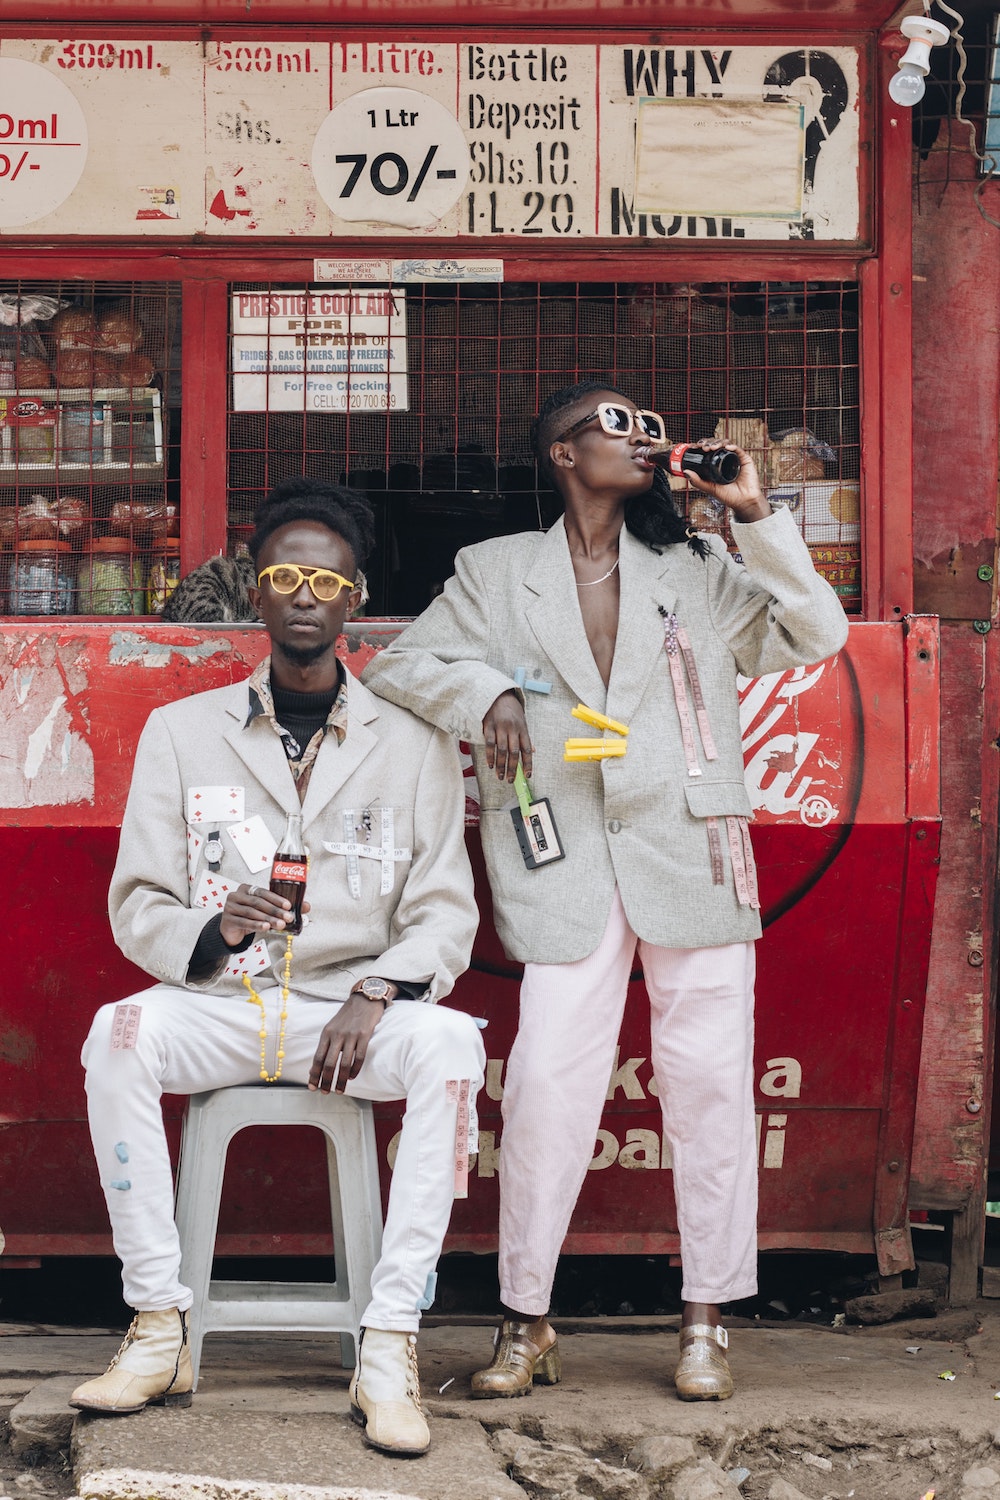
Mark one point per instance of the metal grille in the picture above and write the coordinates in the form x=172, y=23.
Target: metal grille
x=949, y=122
x=773, y=366
x=89, y=382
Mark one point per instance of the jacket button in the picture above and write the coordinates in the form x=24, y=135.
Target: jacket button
x=614, y=826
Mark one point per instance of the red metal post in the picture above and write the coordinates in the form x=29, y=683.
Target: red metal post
x=203, y=434
x=888, y=405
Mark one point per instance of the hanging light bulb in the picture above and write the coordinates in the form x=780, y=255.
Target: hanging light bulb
x=906, y=86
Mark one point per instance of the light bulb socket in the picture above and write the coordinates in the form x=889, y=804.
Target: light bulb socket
x=922, y=28
x=906, y=86
x=916, y=56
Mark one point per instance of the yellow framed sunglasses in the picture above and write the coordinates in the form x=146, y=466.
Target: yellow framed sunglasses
x=288, y=578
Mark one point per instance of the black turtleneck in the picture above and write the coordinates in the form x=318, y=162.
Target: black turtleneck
x=302, y=713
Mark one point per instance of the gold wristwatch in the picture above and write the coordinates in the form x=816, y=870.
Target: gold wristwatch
x=374, y=988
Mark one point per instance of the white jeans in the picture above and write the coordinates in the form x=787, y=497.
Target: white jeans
x=188, y=1041
x=701, y=1026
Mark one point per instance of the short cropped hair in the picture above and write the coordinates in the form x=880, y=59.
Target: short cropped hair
x=549, y=422
x=343, y=511
x=652, y=518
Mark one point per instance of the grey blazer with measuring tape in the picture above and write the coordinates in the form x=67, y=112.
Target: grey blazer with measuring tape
x=402, y=907
x=641, y=822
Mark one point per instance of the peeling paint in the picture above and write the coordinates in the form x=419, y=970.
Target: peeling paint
x=45, y=754
x=40, y=740
x=72, y=659
x=128, y=648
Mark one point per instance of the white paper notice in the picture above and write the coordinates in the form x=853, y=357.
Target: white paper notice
x=707, y=156
x=328, y=349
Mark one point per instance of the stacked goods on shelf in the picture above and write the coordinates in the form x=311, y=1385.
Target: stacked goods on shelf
x=65, y=519
x=99, y=351
x=793, y=467
x=74, y=394
x=828, y=510
x=76, y=349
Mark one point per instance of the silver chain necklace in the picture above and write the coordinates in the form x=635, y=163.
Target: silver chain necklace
x=590, y=582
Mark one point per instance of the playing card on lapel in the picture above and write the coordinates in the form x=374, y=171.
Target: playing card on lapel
x=211, y=891
x=215, y=804
x=194, y=843
x=254, y=843
x=250, y=961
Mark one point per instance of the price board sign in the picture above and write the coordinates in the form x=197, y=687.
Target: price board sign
x=391, y=156
x=323, y=349
x=254, y=135
x=43, y=142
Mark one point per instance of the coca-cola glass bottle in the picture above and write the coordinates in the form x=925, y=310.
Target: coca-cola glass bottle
x=718, y=466
x=289, y=870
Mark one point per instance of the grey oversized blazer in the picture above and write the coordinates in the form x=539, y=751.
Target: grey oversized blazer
x=420, y=931
x=638, y=822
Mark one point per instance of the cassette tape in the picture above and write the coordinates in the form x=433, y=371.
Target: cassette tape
x=537, y=834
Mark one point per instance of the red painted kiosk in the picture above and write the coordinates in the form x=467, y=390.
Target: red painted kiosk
x=221, y=295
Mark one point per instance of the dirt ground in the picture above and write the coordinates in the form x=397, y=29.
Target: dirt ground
x=824, y=1410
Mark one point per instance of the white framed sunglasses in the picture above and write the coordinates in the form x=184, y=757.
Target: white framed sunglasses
x=619, y=421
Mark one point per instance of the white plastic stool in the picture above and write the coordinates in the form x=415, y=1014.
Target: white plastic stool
x=211, y=1121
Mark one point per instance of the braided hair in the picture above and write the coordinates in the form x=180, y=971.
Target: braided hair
x=651, y=517
x=341, y=510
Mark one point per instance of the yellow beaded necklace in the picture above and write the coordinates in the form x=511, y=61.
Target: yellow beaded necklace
x=254, y=999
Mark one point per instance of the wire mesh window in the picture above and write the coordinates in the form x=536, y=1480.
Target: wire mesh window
x=89, y=382
x=772, y=366
x=959, y=112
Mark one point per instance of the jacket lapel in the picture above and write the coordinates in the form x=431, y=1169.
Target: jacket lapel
x=553, y=613
x=645, y=584
x=261, y=751
x=263, y=754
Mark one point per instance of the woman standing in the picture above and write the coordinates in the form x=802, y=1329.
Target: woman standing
x=620, y=609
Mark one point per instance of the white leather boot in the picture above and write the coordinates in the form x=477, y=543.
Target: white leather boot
x=385, y=1393
x=152, y=1367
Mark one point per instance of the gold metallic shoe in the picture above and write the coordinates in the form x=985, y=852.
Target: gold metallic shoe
x=703, y=1372
x=522, y=1354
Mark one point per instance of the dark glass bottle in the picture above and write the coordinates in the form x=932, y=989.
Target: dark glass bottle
x=289, y=870
x=719, y=466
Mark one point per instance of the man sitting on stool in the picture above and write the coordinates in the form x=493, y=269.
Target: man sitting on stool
x=379, y=793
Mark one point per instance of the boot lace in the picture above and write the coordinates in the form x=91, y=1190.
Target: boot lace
x=126, y=1341
x=413, y=1374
